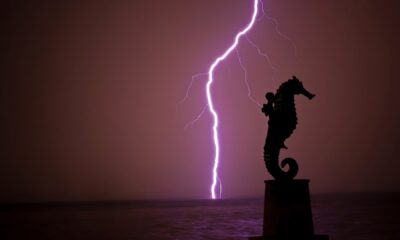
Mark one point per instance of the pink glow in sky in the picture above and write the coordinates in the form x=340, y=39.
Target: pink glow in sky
x=89, y=93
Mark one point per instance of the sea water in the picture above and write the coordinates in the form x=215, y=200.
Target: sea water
x=372, y=216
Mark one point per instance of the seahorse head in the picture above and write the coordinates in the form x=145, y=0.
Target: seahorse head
x=295, y=87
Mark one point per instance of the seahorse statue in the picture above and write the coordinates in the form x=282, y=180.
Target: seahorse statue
x=282, y=122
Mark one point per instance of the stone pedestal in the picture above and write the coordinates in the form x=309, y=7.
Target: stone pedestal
x=287, y=211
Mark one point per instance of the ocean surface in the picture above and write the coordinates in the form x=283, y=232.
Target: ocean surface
x=341, y=216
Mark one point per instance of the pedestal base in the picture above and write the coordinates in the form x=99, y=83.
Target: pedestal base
x=287, y=211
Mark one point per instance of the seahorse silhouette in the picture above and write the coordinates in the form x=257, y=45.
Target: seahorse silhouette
x=282, y=122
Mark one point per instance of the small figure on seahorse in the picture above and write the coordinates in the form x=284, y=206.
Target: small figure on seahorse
x=281, y=111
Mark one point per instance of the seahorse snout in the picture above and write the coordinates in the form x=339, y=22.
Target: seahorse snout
x=307, y=94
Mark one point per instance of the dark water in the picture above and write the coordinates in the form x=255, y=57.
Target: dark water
x=341, y=216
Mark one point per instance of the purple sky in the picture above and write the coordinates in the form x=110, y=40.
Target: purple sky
x=89, y=92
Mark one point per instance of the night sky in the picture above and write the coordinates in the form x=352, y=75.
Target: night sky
x=89, y=93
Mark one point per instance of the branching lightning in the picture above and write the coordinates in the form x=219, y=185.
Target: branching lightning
x=261, y=53
x=209, y=97
x=275, y=21
x=197, y=117
x=194, y=77
x=245, y=79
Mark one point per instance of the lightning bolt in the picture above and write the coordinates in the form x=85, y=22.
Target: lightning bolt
x=257, y=4
x=210, y=103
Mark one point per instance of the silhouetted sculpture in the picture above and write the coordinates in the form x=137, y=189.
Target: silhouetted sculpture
x=287, y=205
x=282, y=121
